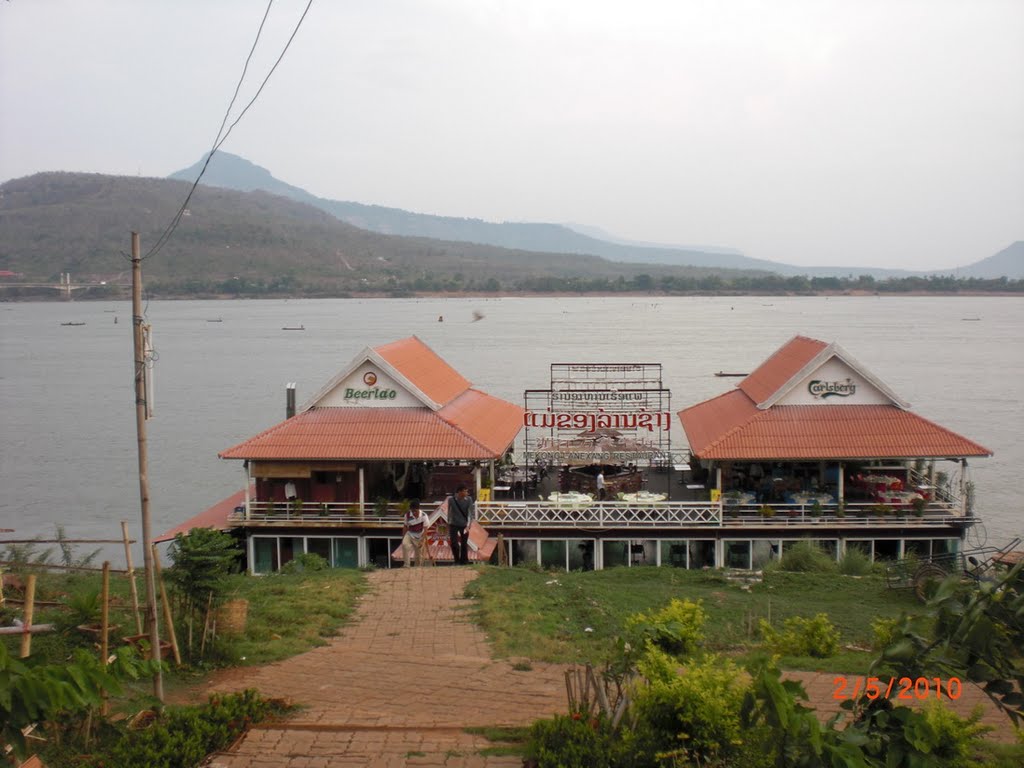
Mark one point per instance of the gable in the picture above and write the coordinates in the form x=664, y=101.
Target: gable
x=834, y=382
x=368, y=385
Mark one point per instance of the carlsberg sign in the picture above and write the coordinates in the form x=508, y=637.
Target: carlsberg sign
x=826, y=389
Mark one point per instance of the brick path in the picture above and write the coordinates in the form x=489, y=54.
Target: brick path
x=397, y=686
x=401, y=682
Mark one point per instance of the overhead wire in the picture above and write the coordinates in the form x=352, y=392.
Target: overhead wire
x=220, y=139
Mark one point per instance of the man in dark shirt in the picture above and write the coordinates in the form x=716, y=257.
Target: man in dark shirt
x=460, y=514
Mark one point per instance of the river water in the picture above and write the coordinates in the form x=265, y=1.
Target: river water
x=67, y=415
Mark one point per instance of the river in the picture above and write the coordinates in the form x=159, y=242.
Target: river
x=67, y=415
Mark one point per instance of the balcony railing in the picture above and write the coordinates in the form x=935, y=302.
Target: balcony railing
x=607, y=514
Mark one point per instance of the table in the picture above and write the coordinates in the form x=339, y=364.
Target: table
x=898, y=498
x=738, y=498
x=571, y=498
x=809, y=499
x=643, y=496
x=882, y=482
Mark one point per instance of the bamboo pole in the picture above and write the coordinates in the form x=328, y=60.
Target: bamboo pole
x=168, y=619
x=105, y=629
x=131, y=577
x=30, y=604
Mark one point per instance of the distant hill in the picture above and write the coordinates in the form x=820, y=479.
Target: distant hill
x=80, y=223
x=1009, y=262
x=233, y=172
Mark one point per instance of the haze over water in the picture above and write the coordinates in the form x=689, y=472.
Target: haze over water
x=68, y=454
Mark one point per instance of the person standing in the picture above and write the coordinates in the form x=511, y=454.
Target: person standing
x=460, y=514
x=413, y=531
x=600, y=484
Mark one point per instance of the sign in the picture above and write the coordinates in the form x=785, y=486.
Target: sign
x=826, y=389
x=599, y=413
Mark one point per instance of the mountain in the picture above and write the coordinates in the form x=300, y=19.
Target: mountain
x=1009, y=263
x=232, y=242
x=233, y=172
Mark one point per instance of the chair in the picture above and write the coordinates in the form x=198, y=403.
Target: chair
x=638, y=554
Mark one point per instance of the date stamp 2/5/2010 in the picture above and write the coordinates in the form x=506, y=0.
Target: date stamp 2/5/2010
x=918, y=688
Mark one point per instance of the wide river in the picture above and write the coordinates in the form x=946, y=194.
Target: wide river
x=67, y=414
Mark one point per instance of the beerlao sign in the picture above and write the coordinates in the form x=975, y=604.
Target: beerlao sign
x=369, y=392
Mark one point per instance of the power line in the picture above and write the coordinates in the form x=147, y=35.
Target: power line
x=219, y=140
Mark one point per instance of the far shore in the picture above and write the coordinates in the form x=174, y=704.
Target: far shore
x=516, y=294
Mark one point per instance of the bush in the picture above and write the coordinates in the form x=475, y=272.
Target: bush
x=677, y=629
x=573, y=741
x=855, y=563
x=693, y=716
x=950, y=738
x=884, y=633
x=803, y=637
x=307, y=561
x=805, y=557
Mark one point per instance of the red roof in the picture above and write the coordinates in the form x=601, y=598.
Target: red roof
x=215, y=517
x=475, y=426
x=733, y=426
x=422, y=366
x=817, y=432
x=780, y=367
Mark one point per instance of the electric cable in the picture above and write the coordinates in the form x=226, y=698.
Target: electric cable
x=219, y=140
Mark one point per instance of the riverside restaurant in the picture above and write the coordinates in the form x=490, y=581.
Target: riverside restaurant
x=808, y=447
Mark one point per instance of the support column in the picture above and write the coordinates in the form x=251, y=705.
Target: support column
x=362, y=491
x=248, y=482
x=841, y=486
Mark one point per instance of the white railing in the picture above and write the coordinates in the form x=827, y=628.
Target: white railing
x=597, y=514
x=604, y=514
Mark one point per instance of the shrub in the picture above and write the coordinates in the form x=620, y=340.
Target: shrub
x=693, y=716
x=803, y=637
x=572, y=741
x=945, y=735
x=884, y=633
x=678, y=628
x=855, y=563
x=307, y=561
x=805, y=557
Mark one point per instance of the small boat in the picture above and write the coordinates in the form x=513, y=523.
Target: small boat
x=214, y=320
x=72, y=323
x=723, y=373
x=293, y=328
x=970, y=319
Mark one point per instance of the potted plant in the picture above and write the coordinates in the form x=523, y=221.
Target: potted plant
x=919, y=505
x=766, y=510
x=816, y=509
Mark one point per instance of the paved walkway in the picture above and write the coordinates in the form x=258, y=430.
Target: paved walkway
x=410, y=672
x=398, y=686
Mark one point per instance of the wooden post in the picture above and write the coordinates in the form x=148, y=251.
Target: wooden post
x=105, y=629
x=131, y=577
x=152, y=627
x=168, y=619
x=30, y=604
x=502, y=553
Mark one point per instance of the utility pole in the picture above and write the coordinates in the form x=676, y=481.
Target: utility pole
x=140, y=428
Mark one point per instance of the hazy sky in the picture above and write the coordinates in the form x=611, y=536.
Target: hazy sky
x=854, y=132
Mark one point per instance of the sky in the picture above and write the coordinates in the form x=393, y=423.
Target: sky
x=885, y=133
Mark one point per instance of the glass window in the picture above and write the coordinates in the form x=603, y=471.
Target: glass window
x=887, y=549
x=552, y=554
x=643, y=552
x=319, y=546
x=673, y=553
x=615, y=553
x=581, y=555
x=944, y=547
x=761, y=552
x=737, y=554
x=524, y=552
x=264, y=557
x=702, y=555
x=291, y=547
x=346, y=553
x=378, y=551
x=920, y=548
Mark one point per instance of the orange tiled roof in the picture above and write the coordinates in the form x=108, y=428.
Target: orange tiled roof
x=424, y=369
x=817, y=432
x=780, y=367
x=481, y=428
x=215, y=517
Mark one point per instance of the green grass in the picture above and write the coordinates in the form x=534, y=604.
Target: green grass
x=546, y=616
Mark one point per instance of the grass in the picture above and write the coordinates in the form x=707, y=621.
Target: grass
x=574, y=617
